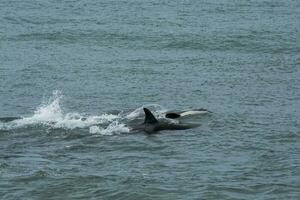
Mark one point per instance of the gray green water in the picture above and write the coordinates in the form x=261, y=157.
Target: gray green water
x=62, y=61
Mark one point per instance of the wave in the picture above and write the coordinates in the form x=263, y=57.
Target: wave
x=51, y=115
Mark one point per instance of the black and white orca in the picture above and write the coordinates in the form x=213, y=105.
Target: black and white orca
x=152, y=125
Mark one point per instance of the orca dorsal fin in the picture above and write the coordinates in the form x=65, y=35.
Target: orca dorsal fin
x=149, y=117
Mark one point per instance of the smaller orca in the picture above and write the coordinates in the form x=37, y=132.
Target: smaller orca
x=152, y=125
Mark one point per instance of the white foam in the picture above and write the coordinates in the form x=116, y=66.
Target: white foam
x=95, y=129
x=113, y=128
x=52, y=115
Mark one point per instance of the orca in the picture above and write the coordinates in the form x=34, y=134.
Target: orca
x=153, y=125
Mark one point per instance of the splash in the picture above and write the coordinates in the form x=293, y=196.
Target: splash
x=48, y=113
x=51, y=115
x=113, y=128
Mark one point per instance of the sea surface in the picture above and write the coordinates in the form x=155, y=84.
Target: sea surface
x=72, y=72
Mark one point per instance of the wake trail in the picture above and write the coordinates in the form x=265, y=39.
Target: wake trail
x=51, y=115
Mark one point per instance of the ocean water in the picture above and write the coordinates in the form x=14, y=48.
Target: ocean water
x=75, y=71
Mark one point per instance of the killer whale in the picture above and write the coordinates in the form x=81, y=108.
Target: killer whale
x=152, y=125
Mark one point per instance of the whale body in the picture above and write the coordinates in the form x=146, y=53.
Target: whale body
x=152, y=125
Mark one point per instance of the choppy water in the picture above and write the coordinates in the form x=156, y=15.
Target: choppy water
x=74, y=70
